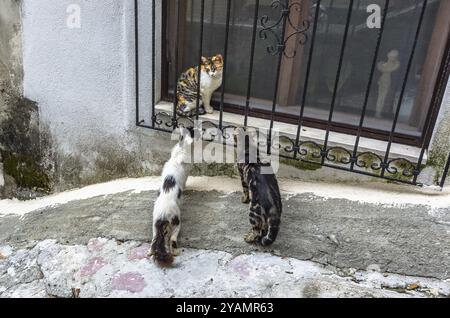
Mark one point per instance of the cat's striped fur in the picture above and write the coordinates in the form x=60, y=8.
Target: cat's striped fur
x=262, y=193
x=187, y=87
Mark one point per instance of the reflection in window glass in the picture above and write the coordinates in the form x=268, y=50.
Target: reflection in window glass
x=394, y=53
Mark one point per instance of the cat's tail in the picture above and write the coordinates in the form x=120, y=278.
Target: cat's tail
x=159, y=251
x=272, y=231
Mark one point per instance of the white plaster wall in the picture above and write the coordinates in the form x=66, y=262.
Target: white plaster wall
x=83, y=79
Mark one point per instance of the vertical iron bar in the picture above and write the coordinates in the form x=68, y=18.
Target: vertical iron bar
x=252, y=56
x=176, y=56
x=136, y=57
x=308, y=73
x=446, y=171
x=225, y=59
x=153, y=60
x=277, y=79
x=369, y=85
x=323, y=51
x=405, y=82
x=199, y=73
x=407, y=40
x=338, y=76
x=422, y=155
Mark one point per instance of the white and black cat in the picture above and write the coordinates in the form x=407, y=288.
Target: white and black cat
x=166, y=211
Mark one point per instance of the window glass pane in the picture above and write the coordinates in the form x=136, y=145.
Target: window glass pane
x=397, y=42
x=396, y=45
x=240, y=35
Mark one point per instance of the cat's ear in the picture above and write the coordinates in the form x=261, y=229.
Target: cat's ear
x=219, y=58
x=185, y=137
x=204, y=60
x=182, y=135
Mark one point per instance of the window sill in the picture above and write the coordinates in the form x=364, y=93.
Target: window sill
x=311, y=134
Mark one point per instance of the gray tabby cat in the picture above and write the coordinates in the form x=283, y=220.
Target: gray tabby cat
x=262, y=193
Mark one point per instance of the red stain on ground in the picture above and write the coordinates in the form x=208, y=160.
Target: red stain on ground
x=132, y=282
x=94, y=265
x=95, y=245
x=239, y=266
x=139, y=253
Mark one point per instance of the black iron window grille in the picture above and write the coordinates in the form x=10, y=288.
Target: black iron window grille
x=283, y=34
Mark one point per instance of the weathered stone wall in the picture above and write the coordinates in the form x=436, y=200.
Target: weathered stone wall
x=440, y=146
x=11, y=45
x=10, y=67
x=23, y=173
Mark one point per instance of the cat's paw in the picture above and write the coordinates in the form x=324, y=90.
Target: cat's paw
x=176, y=252
x=150, y=253
x=245, y=198
x=251, y=237
x=210, y=110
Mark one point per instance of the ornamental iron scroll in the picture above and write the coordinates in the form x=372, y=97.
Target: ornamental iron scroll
x=308, y=151
x=284, y=31
x=311, y=152
x=299, y=30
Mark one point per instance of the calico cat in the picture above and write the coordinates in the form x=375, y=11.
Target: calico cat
x=166, y=211
x=263, y=194
x=187, y=87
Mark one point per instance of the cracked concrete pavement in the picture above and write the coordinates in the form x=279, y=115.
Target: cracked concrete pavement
x=110, y=268
x=334, y=247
